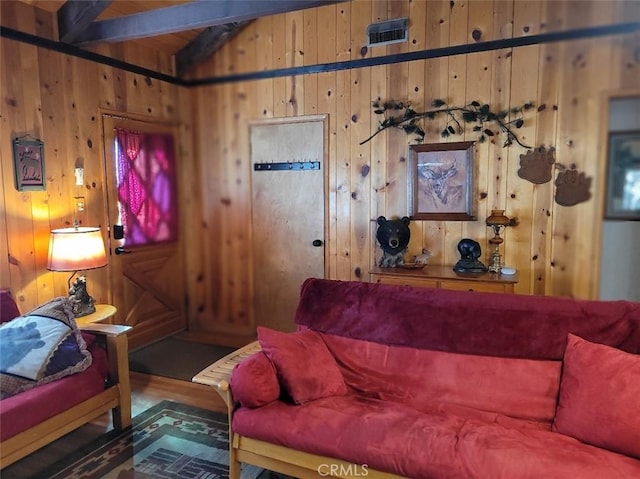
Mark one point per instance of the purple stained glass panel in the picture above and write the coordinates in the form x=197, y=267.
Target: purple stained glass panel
x=146, y=186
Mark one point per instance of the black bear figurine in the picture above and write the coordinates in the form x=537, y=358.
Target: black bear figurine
x=393, y=236
x=470, y=251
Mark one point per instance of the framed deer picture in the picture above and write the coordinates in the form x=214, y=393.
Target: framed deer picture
x=442, y=181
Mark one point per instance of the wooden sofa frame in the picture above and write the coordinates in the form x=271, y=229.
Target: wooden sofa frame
x=270, y=456
x=116, y=397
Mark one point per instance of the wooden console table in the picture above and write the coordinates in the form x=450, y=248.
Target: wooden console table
x=439, y=276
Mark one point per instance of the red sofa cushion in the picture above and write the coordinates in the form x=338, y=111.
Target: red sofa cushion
x=600, y=397
x=304, y=366
x=254, y=382
x=492, y=324
x=520, y=388
x=395, y=438
x=29, y=408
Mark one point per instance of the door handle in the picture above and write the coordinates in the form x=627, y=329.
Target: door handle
x=121, y=250
x=317, y=243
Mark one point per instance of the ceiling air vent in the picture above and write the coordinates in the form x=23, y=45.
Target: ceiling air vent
x=388, y=32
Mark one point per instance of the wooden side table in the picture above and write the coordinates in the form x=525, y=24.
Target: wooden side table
x=102, y=313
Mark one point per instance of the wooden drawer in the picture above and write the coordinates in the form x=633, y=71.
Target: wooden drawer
x=461, y=285
x=406, y=281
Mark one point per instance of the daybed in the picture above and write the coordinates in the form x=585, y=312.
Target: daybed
x=39, y=415
x=394, y=381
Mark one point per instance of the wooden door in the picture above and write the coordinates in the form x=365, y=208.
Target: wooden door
x=146, y=276
x=288, y=213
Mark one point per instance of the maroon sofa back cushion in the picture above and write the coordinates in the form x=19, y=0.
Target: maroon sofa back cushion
x=8, y=306
x=493, y=324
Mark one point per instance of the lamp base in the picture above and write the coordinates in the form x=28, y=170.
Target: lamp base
x=82, y=304
x=496, y=263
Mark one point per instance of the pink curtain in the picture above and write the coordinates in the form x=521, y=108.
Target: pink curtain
x=146, y=186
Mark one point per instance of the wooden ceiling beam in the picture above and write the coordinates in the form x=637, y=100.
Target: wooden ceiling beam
x=188, y=16
x=74, y=16
x=204, y=45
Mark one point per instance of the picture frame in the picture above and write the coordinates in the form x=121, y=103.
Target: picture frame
x=622, y=200
x=442, y=181
x=28, y=164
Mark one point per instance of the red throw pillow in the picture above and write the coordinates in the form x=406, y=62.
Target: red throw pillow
x=600, y=396
x=306, y=369
x=254, y=382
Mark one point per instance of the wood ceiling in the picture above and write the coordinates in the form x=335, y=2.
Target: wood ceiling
x=190, y=30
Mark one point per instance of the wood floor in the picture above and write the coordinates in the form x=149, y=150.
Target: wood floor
x=146, y=391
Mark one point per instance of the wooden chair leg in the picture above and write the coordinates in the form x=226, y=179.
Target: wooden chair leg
x=119, y=367
x=234, y=466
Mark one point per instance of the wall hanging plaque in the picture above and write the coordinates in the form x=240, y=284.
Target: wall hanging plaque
x=28, y=164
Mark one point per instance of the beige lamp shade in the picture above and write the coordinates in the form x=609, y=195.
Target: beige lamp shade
x=76, y=249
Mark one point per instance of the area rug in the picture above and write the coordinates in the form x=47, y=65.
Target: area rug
x=175, y=358
x=168, y=440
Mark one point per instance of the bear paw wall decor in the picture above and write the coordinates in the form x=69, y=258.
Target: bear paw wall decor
x=393, y=237
x=572, y=187
x=536, y=165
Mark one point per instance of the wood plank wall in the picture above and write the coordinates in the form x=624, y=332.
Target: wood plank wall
x=555, y=248
x=59, y=99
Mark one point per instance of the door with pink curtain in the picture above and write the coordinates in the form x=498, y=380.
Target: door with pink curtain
x=146, y=267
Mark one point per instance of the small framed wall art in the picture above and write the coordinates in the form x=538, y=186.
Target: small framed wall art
x=623, y=176
x=442, y=181
x=28, y=164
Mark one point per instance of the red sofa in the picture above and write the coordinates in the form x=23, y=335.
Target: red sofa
x=32, y=419
x=394, y=381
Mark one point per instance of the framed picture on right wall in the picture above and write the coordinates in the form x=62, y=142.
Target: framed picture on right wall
x=623, y=176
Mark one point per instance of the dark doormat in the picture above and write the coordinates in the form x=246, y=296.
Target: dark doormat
x=175, y=358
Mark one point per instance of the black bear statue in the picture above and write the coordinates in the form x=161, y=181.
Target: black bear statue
x=469, y=251
x=393, y=236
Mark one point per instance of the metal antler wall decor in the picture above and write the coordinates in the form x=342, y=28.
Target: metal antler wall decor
x=487, y=123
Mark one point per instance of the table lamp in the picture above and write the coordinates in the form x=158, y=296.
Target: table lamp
x=497, y=221
x=77, y=249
